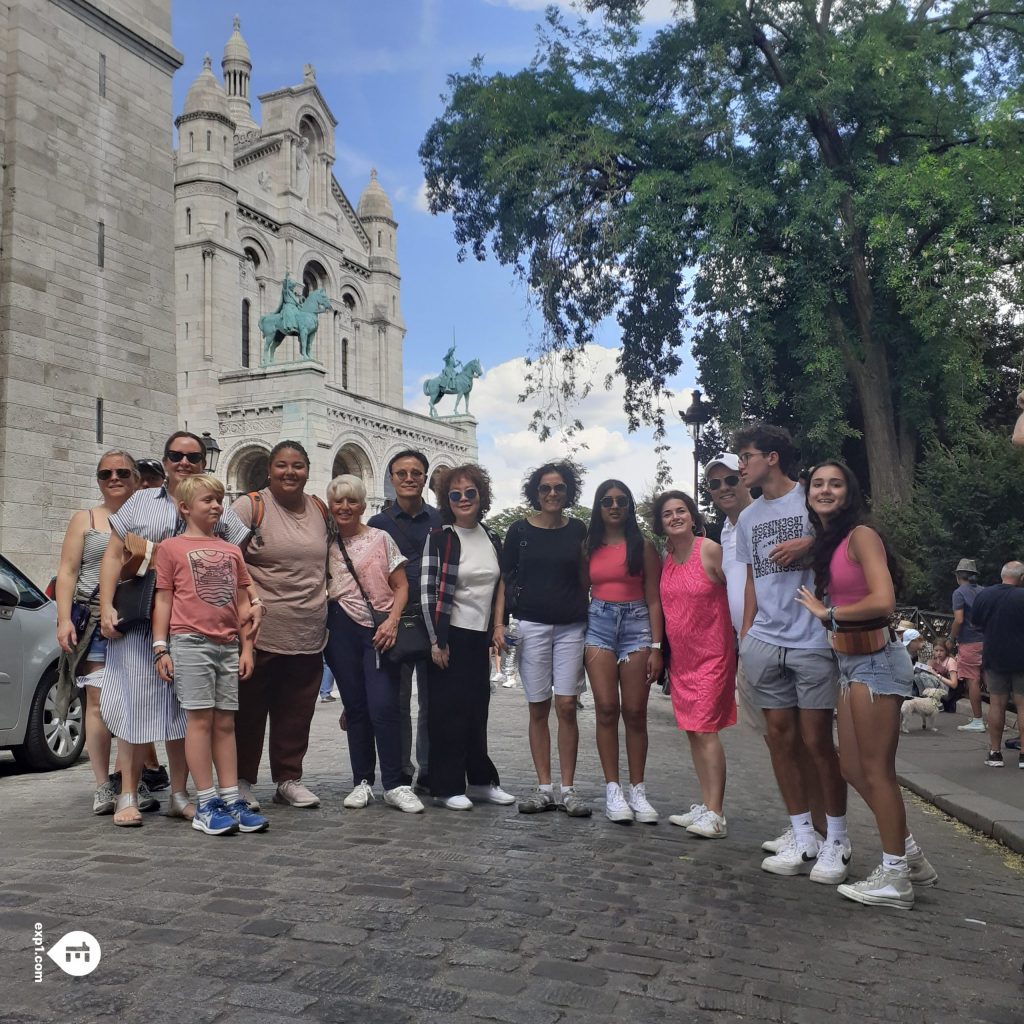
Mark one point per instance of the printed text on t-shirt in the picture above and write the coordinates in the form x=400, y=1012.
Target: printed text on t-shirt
x=766, y=536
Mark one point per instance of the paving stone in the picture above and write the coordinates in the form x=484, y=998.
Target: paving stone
x=474, y=980
x=270, y=997
x=563, y=970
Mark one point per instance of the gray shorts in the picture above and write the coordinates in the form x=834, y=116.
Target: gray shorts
x=1001, y=683
x=789, y=677
x=205, y=672
x=550, y=659
x=748, y=712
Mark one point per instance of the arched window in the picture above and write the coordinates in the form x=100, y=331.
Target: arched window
x=227, y=224
x=245, y=332
x=209, y=140
x=254, y=259
x=349, y=301
x=344, y=363
x=380, y=235
x=313, y=276
x=188, y=220
x=191, y=142
x=225, y=145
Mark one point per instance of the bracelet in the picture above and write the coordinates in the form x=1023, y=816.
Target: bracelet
x=258, y=603
x=832, y=619
x=159, y=643
x=159, y=655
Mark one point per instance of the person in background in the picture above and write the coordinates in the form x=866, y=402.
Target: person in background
x=855, y=582
x=968, y=639
x=999, y=613
x=543, y=563
x=84, y=651
x=152, y=473
x=622, y=650
x=462, y=598
x=407, y=522
x=327, y=686
x=944, y=664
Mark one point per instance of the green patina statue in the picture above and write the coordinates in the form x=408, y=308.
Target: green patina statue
x=454, y=379
x=293, y=316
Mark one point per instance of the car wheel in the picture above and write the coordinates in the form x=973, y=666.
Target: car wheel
x=50, y=743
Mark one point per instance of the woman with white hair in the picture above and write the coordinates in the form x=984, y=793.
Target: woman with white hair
x=366, y=593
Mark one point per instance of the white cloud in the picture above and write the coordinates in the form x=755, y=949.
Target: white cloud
x=508, y=448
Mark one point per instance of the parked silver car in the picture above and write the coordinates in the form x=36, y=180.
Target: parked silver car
x=28, y=678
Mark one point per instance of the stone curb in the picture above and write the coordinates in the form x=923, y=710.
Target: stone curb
x=1000, y=821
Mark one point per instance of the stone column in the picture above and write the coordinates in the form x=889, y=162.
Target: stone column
x=208, y=303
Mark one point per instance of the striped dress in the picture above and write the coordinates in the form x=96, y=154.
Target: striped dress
x=136, y=704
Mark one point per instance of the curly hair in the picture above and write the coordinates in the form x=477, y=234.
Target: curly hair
x=481, y=481
x=691, y=506
x=828, y=537
x=634, y=538
x=768, y=438
x=568, y=471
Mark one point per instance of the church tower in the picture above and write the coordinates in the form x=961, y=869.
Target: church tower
x=378, y=219
x=236, y=65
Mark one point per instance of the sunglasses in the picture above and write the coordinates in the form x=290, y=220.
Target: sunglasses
x=615, y=501
x=409, y=474
x=729, y=481
x=107, y=474
x=193, y=457
x=470, y=494
x=552, y=489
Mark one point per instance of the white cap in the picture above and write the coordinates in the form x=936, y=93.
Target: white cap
x=726, y=459
x=909, y=635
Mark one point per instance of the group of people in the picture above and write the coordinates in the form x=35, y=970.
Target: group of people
x=789, y=614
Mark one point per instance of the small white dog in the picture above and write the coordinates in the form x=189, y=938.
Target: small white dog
x=928, y=705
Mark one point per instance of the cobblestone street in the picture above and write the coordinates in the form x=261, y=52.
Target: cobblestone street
x=378, y=916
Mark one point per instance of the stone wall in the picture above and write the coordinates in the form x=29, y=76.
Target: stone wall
x=72, y=331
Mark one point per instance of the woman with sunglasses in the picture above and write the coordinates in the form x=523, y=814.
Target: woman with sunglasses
x=544, y=568
x=623, y=643
x=137, y=706
x=855, y=580
x=462, y=597
x=84, y=650
x=702, y=675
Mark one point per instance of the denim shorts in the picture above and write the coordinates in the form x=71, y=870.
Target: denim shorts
x=205, y=672
x=619, y=626
x=97, y=651
x=886, y=673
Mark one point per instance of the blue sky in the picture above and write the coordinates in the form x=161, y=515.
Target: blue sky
x=382, y=68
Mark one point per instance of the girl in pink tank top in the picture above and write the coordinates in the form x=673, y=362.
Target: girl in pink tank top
x=854, y=587
x=623, y=643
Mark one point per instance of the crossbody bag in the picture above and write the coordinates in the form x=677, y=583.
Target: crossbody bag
x=376, y=617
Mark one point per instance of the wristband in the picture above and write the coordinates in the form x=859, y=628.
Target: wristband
x=656, y=646
x=258, y=603
x=159, y=643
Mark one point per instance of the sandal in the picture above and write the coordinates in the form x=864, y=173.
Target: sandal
x=127, y=802
x=180, y=806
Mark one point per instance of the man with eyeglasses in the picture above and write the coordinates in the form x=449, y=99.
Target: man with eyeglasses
x=408, y=521
x=786, y=656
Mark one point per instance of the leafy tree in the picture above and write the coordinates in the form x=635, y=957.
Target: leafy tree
x=827, y=195
x=501, y=521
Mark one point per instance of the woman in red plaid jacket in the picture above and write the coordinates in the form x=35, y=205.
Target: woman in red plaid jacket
x=462, y=597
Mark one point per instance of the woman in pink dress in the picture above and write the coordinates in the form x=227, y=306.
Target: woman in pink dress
x=702, y=652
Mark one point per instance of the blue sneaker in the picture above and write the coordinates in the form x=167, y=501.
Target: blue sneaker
x=248, y=820
x=214, y=818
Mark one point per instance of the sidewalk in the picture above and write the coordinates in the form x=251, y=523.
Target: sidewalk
x=947, y=768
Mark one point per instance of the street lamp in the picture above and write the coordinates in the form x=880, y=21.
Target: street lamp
x=212, y=451
x=695, y=417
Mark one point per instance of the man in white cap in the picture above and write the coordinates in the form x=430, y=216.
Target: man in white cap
x=730, y=495
x=968, y=638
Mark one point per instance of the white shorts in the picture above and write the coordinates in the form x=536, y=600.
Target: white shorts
x=550, y=659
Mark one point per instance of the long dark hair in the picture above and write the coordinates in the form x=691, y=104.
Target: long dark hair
x=828, y=537
x=634, y=538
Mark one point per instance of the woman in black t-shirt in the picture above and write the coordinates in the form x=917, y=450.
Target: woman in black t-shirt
x=545, y=580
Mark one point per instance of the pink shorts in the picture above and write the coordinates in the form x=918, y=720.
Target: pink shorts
x=968, y=662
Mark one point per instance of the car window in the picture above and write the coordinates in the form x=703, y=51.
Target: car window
x=31, y=595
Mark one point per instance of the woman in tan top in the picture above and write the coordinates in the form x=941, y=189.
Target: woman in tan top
x=287, y=558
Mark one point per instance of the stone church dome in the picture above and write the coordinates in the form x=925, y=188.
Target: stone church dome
x=374, y=201
x=236, y=47
x=205, y=96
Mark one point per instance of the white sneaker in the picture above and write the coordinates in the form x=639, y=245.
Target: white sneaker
x=710, y=826
x=615, y=807
x=293, y=792
x=792, y=859
x=360, y=797
x=497, y=677
x=510, y=681
x=974, y=725
x=833, y=863
x=245, y=792
x=774, y=845
x=882, y=888
x=639, y=805
x=458, y=802
x=404, y=799
x=490, y=795
x=687, y=819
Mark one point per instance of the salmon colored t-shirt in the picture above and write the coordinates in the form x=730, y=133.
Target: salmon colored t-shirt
x=203, y=575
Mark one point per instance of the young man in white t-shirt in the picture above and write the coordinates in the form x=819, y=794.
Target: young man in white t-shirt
x=730, y=495
x=786, y=656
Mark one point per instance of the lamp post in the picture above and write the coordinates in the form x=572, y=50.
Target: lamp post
x=212, y=451
x=695, y=417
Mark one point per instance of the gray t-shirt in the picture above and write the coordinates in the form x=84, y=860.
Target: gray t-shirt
x=761, y=526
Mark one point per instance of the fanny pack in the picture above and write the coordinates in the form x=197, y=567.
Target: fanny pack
x=861, y=637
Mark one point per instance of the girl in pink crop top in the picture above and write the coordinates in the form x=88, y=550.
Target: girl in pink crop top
x=852, y=566
x=623, y=642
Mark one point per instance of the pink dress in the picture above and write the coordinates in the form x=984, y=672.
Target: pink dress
x=702, y=660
